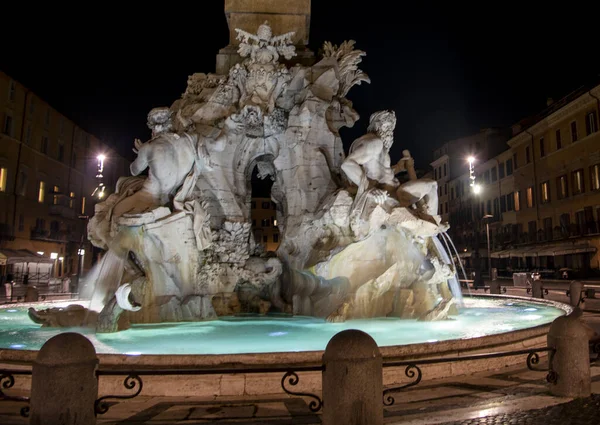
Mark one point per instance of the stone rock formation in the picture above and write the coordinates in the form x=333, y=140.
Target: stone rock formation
x=355, y=242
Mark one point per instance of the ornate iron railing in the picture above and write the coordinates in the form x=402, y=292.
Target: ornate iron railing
x=414, y=372
x=7, y=380
x=133, y=381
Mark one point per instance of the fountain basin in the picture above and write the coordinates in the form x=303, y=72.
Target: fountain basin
x=489, y=323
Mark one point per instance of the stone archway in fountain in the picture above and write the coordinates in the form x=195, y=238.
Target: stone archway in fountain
x=261, y=182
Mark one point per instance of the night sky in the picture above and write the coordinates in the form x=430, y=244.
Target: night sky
x=447, y=72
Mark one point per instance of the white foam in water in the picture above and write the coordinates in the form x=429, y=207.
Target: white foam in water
x=478, y=317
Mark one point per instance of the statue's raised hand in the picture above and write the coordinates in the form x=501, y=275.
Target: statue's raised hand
x=137, y=144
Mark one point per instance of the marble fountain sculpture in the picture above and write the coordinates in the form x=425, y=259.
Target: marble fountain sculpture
x=355, y=242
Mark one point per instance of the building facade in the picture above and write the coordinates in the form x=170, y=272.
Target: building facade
x=540, y=198
x=48, y=172
x=264, y=223
x=451, y=161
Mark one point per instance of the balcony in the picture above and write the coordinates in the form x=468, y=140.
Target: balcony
x=62, y=211
x=47, y=235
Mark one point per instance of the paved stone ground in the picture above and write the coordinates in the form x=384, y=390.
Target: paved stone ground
x=577, y=412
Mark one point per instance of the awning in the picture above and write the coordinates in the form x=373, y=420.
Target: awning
x=467, y=254
x=550, y=250
x=12, y=256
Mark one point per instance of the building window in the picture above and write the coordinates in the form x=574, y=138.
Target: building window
x=452, y=194
x=578, y=184
x=574, y=131
x=71, y=199
x=558, y=140
x=510, y=202
x=445, y=188
x=503, y=203
x=545, y=192
x=265, y=239
x=509, y=167
x=266, y=205
x=565, y=223
x=31, y=106
x=8, y=125
x=61, y=152
x=548, y=228
x=3, y=176
x=41, y=192
x=444, y=170
x=83, y=205
x=494, y=174
x=501, y=170
x=435, y=176
x=496, y=209
x=562, y=187
x=595, y=178
x=55, y=190
x=527, y=155
x=275, y=237
x=591, y=123
x=44, y=147
x=542, y=148
x=517, y=200
x=514, y=164
x=22, y=183
x=530, y=197
x=28, y=134
x=21, y=222
x=12, y=89
x=446, y=207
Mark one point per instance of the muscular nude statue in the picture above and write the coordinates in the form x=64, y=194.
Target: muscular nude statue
x=368, y=161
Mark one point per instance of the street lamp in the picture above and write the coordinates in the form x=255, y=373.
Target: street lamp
x=487, y=228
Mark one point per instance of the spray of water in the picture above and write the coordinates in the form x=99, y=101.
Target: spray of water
x=458, y=259
x=452, y=282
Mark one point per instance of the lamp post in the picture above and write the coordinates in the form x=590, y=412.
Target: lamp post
x=487, y=229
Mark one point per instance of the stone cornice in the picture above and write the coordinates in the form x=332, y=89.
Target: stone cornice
x=519, y=139
x=440, y=160
x=582, y=102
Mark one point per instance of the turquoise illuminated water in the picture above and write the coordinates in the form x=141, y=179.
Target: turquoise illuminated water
x=481, y=316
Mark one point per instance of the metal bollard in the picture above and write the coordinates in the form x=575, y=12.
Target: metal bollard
x=352, y=380
x=64, y=386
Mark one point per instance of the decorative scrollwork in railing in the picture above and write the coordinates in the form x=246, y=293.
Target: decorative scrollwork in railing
x=388, y=399
x=130, y=382
x=533, y=359
x=552, y=377
x=133, y=379
x=293, y=379
x=413, y=369
x=7, y=380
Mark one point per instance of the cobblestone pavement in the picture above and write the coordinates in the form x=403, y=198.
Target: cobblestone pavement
x=577, y=412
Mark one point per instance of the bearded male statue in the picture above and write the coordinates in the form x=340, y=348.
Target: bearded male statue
x=368, y=163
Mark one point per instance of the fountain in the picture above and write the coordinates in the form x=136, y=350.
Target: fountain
x=183, y=278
